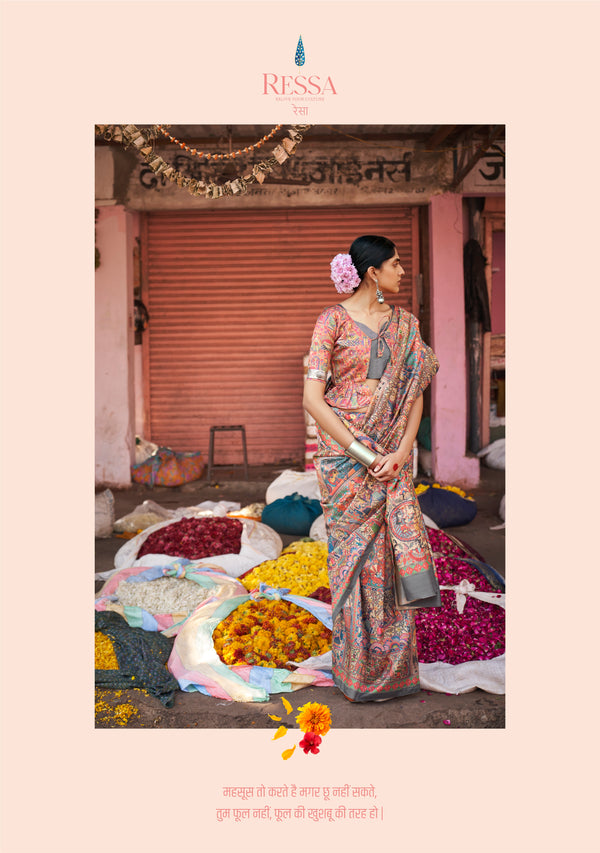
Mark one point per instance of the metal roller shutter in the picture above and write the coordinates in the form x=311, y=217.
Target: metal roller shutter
x=233, y=297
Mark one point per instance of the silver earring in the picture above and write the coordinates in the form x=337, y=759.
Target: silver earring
x=378, y=293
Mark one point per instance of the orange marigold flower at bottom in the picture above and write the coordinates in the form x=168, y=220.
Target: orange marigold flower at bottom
x=314, y=717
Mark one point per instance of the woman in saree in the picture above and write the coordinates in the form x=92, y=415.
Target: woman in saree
x=367, y=370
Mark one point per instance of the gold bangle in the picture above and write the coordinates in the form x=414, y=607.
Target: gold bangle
x=361, y=453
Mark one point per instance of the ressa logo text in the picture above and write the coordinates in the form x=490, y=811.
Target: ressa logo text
x=288, y=84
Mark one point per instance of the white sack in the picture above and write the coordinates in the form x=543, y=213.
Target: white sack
x=288, y=482
x=494, y=454
x=317, y=529
x=502, y=514
x=259, y=543
x=144, y=449
x=488, y=675
x=105, y=514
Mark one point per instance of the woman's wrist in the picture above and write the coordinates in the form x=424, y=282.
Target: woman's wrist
x=361, y=453
x=402, y=454
x=406, y=445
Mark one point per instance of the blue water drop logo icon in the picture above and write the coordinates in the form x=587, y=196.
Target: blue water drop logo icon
x=300, y=57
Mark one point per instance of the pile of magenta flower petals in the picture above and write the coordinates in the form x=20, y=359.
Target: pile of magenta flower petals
x=195, y=538
x=322, y=593
x=444, y=634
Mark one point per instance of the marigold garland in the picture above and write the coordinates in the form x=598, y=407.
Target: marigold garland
x=131, y=135
x=231, y=155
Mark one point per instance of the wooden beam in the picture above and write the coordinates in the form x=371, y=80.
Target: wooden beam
x=443, y=132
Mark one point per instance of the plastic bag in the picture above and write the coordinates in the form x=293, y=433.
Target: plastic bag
x=143, y=516
x=150, y=513
x=105, y=514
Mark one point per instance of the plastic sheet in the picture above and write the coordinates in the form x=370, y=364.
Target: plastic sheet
x=197, y=666
x=220, y=586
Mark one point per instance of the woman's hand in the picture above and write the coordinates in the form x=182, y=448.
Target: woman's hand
x=387, y=468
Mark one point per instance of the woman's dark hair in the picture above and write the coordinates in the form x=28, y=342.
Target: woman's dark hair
x=370, y=251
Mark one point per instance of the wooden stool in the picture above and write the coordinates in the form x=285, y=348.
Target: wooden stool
x=211, y=450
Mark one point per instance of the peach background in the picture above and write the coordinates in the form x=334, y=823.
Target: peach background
x=67, y=66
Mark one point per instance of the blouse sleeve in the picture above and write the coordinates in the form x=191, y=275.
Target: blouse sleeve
x=321, y=348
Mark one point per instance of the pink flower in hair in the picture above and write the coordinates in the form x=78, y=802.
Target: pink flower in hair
x=343, y=274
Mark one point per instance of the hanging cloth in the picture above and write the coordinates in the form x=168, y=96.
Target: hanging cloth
x=477, y=304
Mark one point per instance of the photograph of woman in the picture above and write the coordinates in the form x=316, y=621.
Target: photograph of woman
x=367, y=370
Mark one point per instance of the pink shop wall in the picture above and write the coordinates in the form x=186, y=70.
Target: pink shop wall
x=116, y=230
x=450, y=462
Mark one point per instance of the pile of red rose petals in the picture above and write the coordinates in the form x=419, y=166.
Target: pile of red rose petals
x=195, y=538
x=322, y=593
x=444, y=634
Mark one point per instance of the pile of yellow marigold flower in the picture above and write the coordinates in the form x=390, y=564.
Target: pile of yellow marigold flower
x=104, y=653
x=301, y=568
x=422, y=487
x=270, y=633
x=117, y=714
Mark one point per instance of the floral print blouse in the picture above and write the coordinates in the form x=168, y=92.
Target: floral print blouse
x=340, y=351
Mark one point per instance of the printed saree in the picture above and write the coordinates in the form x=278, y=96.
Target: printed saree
x=379, y=562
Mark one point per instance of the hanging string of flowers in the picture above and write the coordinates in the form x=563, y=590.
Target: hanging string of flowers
x=232, y=154
x=131, y=135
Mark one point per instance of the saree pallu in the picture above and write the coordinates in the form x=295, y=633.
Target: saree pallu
x=379, y=560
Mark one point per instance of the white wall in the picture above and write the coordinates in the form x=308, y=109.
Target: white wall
x=116, y=230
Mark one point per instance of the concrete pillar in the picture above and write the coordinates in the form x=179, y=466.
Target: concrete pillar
x=116, y=230
x=449, y=390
